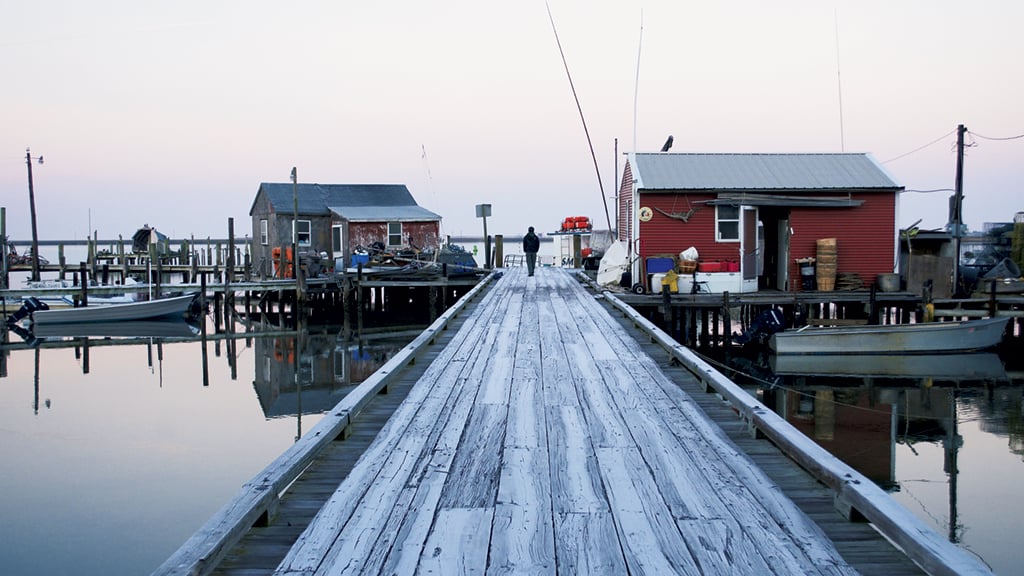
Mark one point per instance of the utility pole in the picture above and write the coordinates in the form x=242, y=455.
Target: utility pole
x=295, y=223
x=958, y=200
x=32, y=208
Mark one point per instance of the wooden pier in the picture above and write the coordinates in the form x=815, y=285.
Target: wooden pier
x=543, y=438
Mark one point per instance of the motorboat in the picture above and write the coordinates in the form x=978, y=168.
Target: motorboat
x=918, y=338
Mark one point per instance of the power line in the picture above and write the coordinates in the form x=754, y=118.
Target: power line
x=993, y=138
x=940, y=138
x=931, y=191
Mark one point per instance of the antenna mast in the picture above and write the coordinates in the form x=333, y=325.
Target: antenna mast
x=593, y=156
x=839, y=83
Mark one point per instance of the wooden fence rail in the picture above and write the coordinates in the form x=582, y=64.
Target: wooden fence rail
x=258, y=498
x=854, y=491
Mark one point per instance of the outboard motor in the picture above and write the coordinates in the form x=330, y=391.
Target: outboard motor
x=30, y=305
x=764, y=325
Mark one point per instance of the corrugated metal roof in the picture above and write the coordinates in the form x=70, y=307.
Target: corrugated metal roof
x=381, y=213
x=736, y=172
x=314, y=199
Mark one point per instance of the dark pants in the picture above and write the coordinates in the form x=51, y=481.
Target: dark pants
x=531, y=262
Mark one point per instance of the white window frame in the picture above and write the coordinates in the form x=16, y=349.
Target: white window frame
x=264, y=232
x=337, y=240
x=298, y=234
x=719, y=221
x=392, y=234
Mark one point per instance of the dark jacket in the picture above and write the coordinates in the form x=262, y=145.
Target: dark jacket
x=531, y=243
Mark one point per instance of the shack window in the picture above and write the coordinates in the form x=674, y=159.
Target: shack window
x=394, y=233
x=727, y=223
x=264, y=234
x=303, y=233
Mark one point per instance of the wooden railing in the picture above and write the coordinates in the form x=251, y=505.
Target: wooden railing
x=259, y=497
x=853, y=491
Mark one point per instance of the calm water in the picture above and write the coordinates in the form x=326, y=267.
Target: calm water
x=944, y=435
x=114, y=455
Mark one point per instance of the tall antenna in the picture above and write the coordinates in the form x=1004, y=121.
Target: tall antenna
x=839, y=82
x=430, y=182
x=636, y=83
x=600, y=185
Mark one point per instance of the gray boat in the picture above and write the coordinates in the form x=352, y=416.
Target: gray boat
x=160, y=328
x=949, y=366
x=177, y=307
x=921, y=338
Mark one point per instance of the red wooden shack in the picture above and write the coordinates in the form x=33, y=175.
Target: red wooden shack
x=753, y=217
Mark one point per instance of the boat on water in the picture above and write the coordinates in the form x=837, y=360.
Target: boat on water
x=983, y=366
x=920, y=338
x=176, y=307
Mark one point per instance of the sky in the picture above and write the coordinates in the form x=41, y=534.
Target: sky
x=171, y=114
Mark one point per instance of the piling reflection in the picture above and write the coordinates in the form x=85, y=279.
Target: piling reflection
x=859, y=407
x=943, y=434
x=310, y=373
x=295, y=371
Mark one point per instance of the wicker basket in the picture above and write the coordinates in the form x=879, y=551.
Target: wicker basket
x=687, y=266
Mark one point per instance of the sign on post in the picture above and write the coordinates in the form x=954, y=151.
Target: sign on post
x=483, y=211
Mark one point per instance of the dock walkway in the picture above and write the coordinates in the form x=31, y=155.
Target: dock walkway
x=543, y=440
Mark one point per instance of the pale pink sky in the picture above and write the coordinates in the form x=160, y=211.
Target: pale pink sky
x=172, y=114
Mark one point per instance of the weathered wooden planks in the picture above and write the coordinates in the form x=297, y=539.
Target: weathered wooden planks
x=547, y=444
x=923, y=545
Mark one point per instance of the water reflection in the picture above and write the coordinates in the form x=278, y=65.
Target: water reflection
x=120, y=447
x=310, y=373
x=943, y=434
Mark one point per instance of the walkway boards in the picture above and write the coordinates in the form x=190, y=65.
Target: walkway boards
x=542, y=441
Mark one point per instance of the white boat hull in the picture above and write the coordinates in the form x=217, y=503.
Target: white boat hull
x=177, y=307
x=923, y=338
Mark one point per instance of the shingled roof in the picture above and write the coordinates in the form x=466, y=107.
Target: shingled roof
x=352, y=201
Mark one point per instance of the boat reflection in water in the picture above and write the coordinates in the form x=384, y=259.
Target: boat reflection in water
x=125, y=329
x=942, y=433
x=947, y=367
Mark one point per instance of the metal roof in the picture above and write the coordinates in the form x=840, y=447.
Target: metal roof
x=380, y=213
x=314, y=199
x=738, y=172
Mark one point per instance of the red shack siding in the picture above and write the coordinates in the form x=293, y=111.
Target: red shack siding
x=865, y=235
x=664, y=235
x=422, y=235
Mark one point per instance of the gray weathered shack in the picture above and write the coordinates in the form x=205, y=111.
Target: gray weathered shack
x=337, y=219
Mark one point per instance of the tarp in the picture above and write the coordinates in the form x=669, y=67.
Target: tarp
x=613, y=264
x=145, y=236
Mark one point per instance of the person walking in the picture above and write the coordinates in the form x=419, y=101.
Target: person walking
x=531, y=245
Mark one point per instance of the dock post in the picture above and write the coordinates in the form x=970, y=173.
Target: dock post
x=4, y=278
x=90, y=243
x=704, y=335
x=61, y=262
x=231, y=251
x=873, y=306
x=121, y=259
x=727, y=324
x=83, y=274
x=993, y=303
x=193, y=256
x=230, y=272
